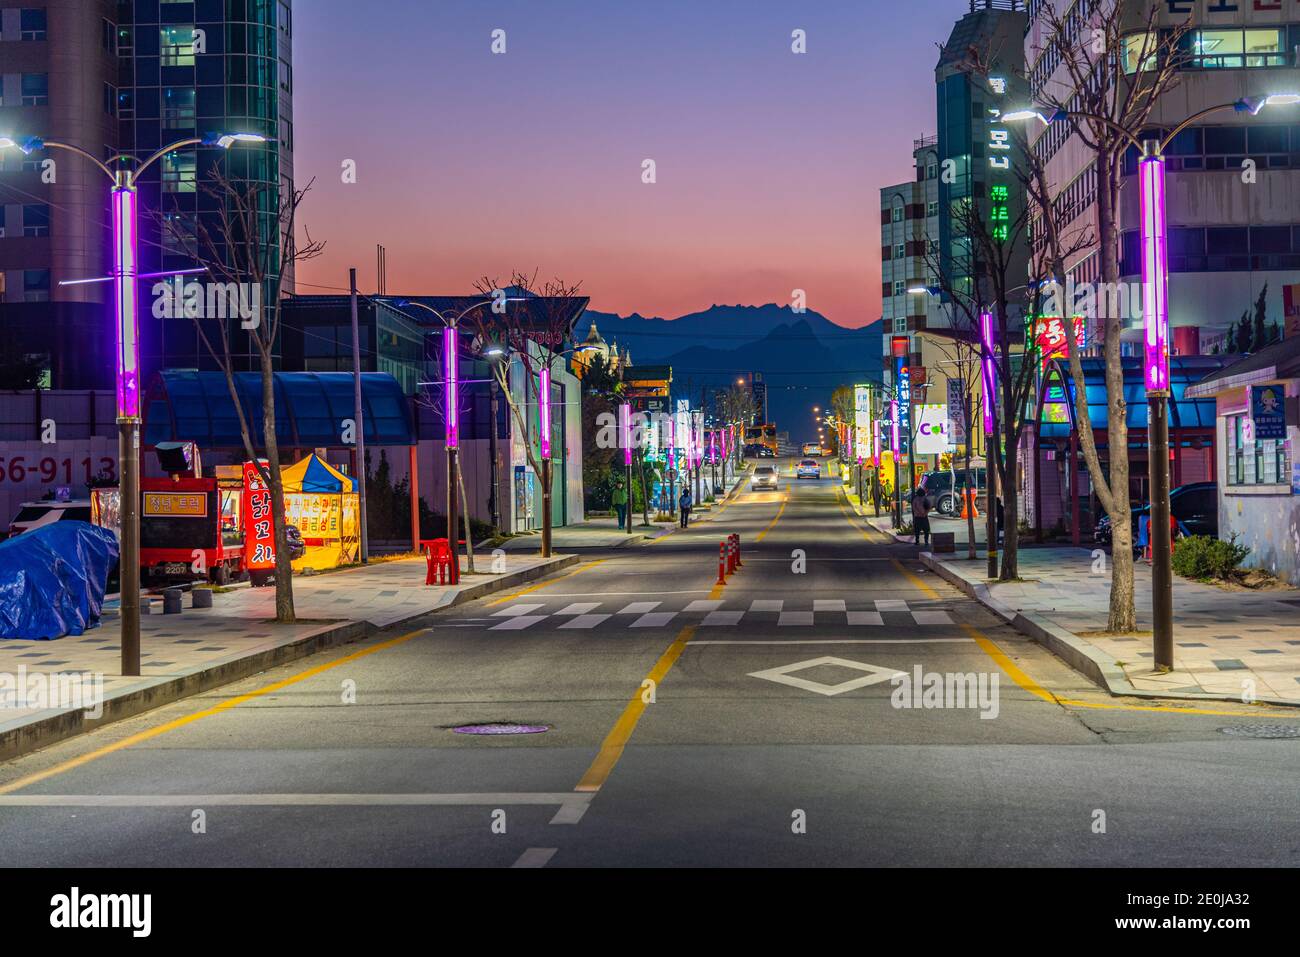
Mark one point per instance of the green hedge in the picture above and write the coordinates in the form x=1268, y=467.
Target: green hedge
x=1200, y=556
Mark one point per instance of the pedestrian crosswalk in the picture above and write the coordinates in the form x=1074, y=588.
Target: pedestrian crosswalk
x=714, y=613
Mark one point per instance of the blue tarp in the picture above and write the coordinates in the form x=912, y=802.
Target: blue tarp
x=53, y=578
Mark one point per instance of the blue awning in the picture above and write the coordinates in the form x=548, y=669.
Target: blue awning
x=310, y=409
x=1184, y=412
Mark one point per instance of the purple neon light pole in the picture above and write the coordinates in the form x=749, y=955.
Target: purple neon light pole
x=625, y=437
x=451, y=439
x=987, y=360
x=1154, y=237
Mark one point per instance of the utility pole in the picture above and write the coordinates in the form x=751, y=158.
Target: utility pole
x=493, y=506
x=358, y=420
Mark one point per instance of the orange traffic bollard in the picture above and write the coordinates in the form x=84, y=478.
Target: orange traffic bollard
x=736, y=536
x=722, y=564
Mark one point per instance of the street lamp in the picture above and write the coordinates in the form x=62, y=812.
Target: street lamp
x=1154, y=242
x=125, y=275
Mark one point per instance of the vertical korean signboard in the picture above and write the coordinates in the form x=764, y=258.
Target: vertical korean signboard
x=259, y=532
x=862, y=449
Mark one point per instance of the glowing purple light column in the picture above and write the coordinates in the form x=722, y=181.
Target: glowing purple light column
x=1155, y=272
x=451, y=381
x=125, y=294
x=544, y=411
x=625, y=430
x=990, y=386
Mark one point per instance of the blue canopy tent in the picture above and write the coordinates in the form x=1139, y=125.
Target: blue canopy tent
x=1056, y=427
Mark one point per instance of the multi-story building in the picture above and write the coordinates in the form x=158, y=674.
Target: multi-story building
x=1231, y=233
x=909, y=247
x=129, y=77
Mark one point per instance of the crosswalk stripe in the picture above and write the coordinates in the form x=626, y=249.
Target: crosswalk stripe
x=866, y=618
x=639, y=607
x=795, y=618
x=518, y=622
x=767, y=604
x=585, y=621
x=722, y=618
x=654, y=619
x=932, y=618
x=515, y=610
x=703, y=605
x=828, y=604
x=579, y=608
x=890, y=604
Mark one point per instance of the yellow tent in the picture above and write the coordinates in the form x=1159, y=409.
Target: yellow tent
x=322, y=502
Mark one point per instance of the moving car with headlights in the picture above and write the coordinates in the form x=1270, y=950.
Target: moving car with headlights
x=764, y=477
x=808, y=468
x=812, y=448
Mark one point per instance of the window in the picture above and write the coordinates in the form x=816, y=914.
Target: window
x=286, y=133
x=177, y=45
x=1139, y=51
x=900, y=287
x=286, y=77
x=36, y=285
x=1226, y=49
x=1253, y=461
x=178, y=170
x=178, y=108
x=900, y=250
x=285, y=19
x=110, y=99
x=36, y=89
x=108, y=37
x=36, y=219
x=932, y=210
x=898, y=214
x=32, y=24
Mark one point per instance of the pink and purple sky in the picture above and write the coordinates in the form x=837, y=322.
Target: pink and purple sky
x=769, y=164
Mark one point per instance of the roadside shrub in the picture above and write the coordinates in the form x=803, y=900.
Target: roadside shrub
x=1200, y=556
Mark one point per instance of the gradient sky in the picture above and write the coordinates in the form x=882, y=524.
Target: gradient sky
x=469, y=163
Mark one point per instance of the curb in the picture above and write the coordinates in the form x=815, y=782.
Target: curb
x=1084, y=657
x=61, y=725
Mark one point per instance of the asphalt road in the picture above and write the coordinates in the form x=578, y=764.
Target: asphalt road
x=771, y=734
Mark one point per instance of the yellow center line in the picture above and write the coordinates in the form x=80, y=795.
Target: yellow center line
x=611, y=749
x=548, y=582
x=181, y=722
x=763, y=534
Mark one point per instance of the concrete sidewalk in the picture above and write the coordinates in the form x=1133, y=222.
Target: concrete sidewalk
x=1228, y=645
x=202, y=648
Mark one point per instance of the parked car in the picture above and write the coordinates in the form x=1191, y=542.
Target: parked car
x=938, y=485
x=764, y=477
x=1196, y=506
x=37, y=514
x=808, y=468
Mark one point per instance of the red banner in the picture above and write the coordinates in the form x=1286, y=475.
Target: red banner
x=259, y=530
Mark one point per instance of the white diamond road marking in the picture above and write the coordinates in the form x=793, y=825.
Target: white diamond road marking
x=722, y=618
x=703, y=605
x=865, y=618
x=515, y=610
x=932, y=618
x=585, y=621
x=767, y=604
x=795, y=618
x=519, y=622
x=579, y=608
x=655, y=619
x=639, y=607
x=784, y=675
x=828, y=604
x=890, y=604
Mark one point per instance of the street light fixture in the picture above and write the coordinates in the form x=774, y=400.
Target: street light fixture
x=125, y=275
x=1154, y=243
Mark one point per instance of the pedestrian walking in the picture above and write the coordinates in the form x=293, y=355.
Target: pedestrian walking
x=618, y=498
x=922, y=506
x=684, y=506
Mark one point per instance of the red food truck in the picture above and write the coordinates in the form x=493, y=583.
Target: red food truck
x=191, y=529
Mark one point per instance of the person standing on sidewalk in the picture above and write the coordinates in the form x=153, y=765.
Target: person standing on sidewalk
x=618, y=498
x=922, y=505
x=684, y=506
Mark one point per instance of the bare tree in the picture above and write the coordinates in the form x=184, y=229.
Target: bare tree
x=1114, y=73
x=538, y=334
x=247, y=249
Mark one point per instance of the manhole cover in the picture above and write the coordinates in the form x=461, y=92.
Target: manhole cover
x=1263, y=730
x=501, y=727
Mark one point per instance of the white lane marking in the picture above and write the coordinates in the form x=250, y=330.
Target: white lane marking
x=631, y=594
x=535, y=857
x=890, y=604
x=703, y=605
x=519, y=623
x=639, y=607
x=722, y=618
x=784, y=675
x=578, y=608
x=833, y=641
x=801, y=618
x=865, y=618
x=586, y=621
x=466, y=799
x=767, y=604
x=572, y=812
x=932, y=618
x=655, y=619
x=828, y=604
x=515, y=610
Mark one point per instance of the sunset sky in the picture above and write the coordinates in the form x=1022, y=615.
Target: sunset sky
x=769, y=164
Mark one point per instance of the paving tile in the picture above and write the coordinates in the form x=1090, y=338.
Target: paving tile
x=1229, y=664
